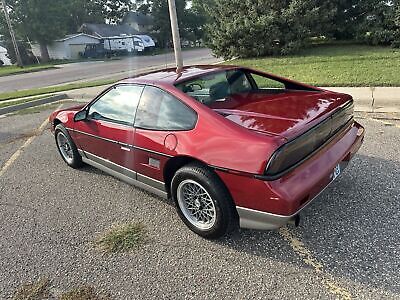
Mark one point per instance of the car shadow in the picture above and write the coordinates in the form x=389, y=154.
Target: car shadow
x=352, y=228
x=92, y=170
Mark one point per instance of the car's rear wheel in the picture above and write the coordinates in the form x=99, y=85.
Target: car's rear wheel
x=202, y=201
x=67, y=147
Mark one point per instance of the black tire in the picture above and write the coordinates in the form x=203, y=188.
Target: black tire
x=76, y=160
x=226, y=218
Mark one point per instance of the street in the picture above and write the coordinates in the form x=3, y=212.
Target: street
x=94, y=70
x=347, y=245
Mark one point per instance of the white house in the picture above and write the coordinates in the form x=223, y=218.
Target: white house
x=3, y=56
x=68, y=47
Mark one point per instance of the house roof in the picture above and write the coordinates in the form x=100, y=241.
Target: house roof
x=71, y=36
x=107, y=30
x=137, y=17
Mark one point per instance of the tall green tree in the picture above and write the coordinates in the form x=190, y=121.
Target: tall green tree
x=95, y=11
x=40, y=21
x=44, y=21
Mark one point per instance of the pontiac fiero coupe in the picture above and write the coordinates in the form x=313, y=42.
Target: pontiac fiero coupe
x=230, y=145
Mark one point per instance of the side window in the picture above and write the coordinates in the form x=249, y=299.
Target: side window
x=118, y=105
x=159, y=110
x=267, y=83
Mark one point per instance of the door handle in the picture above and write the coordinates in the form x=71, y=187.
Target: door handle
x=125, y=148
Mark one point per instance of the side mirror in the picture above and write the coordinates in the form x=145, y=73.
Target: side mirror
x=80, y=116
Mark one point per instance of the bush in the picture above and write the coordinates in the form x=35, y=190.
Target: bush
x=246, y=28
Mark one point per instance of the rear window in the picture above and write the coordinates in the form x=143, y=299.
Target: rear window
x=217, y=87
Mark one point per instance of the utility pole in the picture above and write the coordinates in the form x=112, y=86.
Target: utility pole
x=14, y=41
x=175, y=35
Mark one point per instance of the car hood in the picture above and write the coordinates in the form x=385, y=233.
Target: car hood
x=59, y=112
x=286, y=114
x=74, y=108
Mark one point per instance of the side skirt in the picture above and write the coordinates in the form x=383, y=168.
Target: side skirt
x=111, y=169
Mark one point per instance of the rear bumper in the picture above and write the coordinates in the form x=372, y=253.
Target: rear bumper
x=266, y=205
x=259, y=220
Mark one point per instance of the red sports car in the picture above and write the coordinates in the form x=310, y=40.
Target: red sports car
x=228, y=144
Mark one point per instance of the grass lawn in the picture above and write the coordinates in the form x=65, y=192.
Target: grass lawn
x=335, y=65
x=11, y=70
x=53, y=89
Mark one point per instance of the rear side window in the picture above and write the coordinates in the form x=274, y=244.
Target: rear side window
x=158, y=110
x=266, y=83
x=118, y=105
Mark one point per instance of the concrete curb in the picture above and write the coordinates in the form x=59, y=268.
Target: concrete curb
x=13, y=108
x=372, y=99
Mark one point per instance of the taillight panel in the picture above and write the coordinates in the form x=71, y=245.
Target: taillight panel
x=305, y=145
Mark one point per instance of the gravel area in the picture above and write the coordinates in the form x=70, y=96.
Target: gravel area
x=51, y=214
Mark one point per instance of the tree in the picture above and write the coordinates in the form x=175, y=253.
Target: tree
x=162, y=22
x=378, y=26
x=190, y=20
x=95, y=11
x=43, y=21
x=369, y=21
x=396, y=42
x=40, y=21
x=248, y=28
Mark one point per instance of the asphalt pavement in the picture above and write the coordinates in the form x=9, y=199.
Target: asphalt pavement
x=96, y=70
x=347, y=245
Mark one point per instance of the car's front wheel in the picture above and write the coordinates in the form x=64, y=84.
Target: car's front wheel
x=202, y=201
x=67, y=147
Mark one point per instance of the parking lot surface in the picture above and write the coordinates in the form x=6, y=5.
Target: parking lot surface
x=347, y=245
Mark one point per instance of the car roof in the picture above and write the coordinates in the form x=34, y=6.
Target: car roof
x=170, y=76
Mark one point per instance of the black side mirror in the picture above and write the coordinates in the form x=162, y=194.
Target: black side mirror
x=80, y=116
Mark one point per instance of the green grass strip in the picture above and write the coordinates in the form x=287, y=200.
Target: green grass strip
x=348, y=65
x=53, y=89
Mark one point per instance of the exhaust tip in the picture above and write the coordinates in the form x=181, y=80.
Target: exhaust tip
x=297, y=220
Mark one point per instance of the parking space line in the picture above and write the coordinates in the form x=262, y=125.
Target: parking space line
x=385, y=122
x=17, y=153
x=300, y=249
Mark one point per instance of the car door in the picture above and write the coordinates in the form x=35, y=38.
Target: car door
x=106, y=136
x=159, y=118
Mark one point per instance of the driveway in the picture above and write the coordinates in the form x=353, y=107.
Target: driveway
x=100, y=70
x=347, y=245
